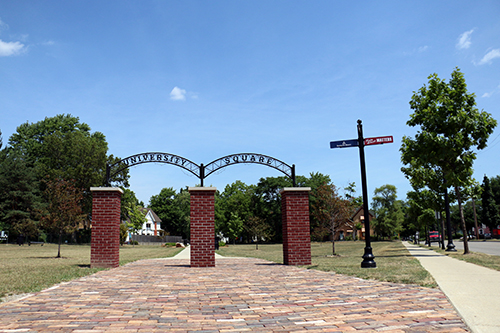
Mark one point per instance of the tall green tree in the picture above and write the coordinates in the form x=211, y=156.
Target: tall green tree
x=19, y=195
x=389, y=214
x=450, y=127
x=490, y=214
x=173, y=209
x=268, y=202
x=62, y=147
x=235, y=207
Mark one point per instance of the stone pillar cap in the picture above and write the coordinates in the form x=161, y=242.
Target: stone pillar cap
x=109, y=189
x=295, y=189
x=192, y=189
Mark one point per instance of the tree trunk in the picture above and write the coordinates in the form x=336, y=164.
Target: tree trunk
x=333, y=244
x=475, y=218
x=443, y=233
x=462, y=219
x=59, y=246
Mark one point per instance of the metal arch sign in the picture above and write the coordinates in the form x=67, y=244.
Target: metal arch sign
x=152, y=157
x=250, y=158
x=199, y=171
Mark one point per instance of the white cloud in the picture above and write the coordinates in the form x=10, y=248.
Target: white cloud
x=178, y=94
x=491, y=93
x=464, y=40
x=488, y=57
x=10, y=48
x=423, y=48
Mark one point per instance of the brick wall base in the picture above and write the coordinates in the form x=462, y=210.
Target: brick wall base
x=202, y=226
x=296, y=230
x=105, y=238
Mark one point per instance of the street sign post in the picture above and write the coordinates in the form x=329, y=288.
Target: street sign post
x=378, y=140
x=344, y=143
x=368, y=257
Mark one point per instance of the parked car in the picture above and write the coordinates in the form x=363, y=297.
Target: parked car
x=434, y=236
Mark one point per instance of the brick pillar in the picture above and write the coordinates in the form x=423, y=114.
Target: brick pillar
x=105, y=240
x=202, y=226
x=296, y=232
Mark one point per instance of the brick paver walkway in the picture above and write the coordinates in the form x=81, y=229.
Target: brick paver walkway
x=239, y=294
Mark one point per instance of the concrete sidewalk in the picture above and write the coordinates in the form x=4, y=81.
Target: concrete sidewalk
x=473, y=290
x=186, y=254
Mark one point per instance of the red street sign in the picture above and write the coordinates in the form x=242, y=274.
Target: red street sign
x=378, y=140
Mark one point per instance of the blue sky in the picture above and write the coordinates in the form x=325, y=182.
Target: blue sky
x=205, y=79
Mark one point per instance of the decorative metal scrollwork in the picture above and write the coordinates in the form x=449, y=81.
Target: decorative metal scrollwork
x=199, y=171
x=249, y=158
x=152, y=157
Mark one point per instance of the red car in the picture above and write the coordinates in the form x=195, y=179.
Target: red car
x=434, y=236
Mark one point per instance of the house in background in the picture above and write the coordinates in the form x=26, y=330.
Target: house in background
x=359, y=218
x=152, y=226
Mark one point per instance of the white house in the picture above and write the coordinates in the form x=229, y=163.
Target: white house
x=152, y=226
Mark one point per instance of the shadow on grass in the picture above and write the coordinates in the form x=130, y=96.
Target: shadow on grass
x=84, y=266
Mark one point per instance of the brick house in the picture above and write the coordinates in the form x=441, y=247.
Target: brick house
x=358, y=218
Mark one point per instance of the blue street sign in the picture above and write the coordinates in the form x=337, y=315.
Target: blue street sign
x=344, y=143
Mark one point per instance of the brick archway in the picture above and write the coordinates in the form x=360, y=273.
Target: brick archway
x=105, y=241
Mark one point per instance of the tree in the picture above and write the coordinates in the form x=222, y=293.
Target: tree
x=234, y=205
x=419, y=203
x=173, y=209
x=495, y=188
x=268, y=202
x=234, y=226
x=62, y=147
x=63, y=213
x=331, y=210
x=123, y=233
x=258, y=229
x=489, y=213
x=135, y=219
x=450, y=128
x=389, y=213
x=19, y=195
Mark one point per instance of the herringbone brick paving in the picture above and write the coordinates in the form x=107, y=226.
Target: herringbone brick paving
x=239, y=294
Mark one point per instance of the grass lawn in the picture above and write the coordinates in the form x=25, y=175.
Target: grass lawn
x=394, y=262
x=481, y=259
x=27, y=269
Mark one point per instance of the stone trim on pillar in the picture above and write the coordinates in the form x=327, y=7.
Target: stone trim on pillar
x=296, y=230
x=202, y=226
x=105, y=239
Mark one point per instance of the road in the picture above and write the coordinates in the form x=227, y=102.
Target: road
x=488, y=247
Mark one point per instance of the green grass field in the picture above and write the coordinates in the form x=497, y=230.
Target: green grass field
x=27, y=269
x=394, y=262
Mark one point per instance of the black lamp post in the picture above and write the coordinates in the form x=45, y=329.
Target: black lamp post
x=368, y=256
